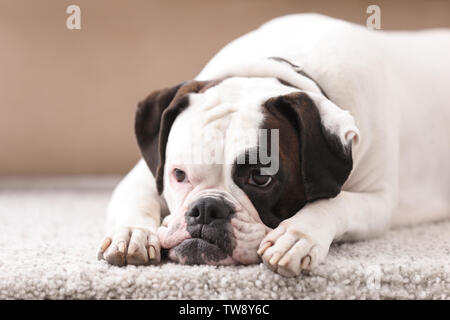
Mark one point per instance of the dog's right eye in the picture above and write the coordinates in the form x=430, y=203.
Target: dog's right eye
x=259, y=180
x=180, y=175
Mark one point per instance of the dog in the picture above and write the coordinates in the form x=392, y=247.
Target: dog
x=356, y=123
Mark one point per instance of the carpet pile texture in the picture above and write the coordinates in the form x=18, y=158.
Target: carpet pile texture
x=51, y=228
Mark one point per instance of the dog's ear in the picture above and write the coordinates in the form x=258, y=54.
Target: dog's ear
x=325, y=144
x=154, y=118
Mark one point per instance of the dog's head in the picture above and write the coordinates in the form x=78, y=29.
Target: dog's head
x=234, y=157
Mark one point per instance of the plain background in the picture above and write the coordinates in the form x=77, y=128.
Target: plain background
x=67, y=97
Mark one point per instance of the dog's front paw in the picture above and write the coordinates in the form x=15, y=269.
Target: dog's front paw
x=288, y=250
x=136, y=246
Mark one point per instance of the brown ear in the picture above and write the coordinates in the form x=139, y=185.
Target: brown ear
x=325, y=162
x=154, y=118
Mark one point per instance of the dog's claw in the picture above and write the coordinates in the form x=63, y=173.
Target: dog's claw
x=121, y=247
x=306, y=262
x=105, y=245
x=151, y=253
x=116, y=258
x=275, y=258
x=263, y=248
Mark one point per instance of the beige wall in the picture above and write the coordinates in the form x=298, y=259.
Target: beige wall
x=67, y=98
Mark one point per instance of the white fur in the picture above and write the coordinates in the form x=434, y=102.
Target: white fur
x=336, y=120
x=394, y=84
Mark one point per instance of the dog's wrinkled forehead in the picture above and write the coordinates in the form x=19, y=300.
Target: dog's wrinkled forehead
x=222, y=121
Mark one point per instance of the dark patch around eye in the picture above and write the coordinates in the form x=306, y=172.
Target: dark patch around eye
x=284, y=196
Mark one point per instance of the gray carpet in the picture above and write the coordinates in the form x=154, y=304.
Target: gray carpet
x=50, y=229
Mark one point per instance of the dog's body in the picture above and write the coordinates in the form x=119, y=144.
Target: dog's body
x=396, y=85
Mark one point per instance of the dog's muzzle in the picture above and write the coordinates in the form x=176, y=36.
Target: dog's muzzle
x=208, y=223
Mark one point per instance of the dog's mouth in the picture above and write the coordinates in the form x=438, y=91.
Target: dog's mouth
x=199, y=251
x=207, y=245
x=210, y=243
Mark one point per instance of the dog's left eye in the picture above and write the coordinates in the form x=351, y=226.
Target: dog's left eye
x=259, y=180
x=180, y=175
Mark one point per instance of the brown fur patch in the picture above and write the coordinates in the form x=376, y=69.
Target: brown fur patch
x=154, y=118
x=285, y=195
x=311, y=165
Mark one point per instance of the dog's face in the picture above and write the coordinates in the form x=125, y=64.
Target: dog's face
x=233, y=158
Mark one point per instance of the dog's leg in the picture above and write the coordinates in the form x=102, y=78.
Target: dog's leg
x=302, y=241
x=133, y=219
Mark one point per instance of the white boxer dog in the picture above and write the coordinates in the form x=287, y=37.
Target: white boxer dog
x=357, y=125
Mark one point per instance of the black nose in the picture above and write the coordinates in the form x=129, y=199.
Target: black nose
x=206, y=210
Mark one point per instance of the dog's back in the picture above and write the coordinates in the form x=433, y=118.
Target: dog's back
x=424, y=170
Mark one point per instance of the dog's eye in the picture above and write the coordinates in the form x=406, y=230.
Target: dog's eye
x=259, y=180
x=180, y=175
